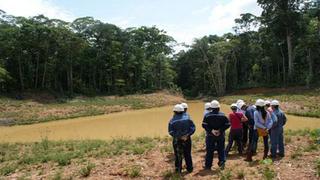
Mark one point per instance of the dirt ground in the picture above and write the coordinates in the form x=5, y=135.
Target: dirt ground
x=299, y=163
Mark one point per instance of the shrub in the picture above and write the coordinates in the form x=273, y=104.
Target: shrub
x=85, y=171
x=268, y=173
x=133, y=171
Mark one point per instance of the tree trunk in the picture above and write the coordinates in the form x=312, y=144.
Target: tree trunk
x=283, y=66
x=290, y=55
x=37, y=70
x=310, y=63
x=44, y=75
x=20, y=72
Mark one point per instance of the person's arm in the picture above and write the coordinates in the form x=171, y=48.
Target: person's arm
x=284, y=119
x=257, y=122
x=205, y=124
x=192, y=128
x=171, y=129
x=243, y=118
x=225, y=125
x=270, y=119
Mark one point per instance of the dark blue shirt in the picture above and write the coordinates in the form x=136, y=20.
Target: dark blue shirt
x=181, y=125
x=216, y=121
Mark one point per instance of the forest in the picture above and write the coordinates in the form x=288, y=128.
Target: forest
x=279, y=48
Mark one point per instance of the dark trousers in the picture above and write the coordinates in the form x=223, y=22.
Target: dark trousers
x=254, y=144
x=182, y=149
x=245, y=134
x=251, y=136
x=235, y=135
x=212, y=144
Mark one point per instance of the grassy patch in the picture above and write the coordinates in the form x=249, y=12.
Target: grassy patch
x=36, y=109
x=8, y=168
x=318, y=167
x=296, y=154
x=241, y=174
x=171, y=175
x=86, y=170
x=268, y=173
x=133, y=171
x=225, y=175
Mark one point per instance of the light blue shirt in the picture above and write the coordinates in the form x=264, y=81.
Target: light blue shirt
x=260, y=123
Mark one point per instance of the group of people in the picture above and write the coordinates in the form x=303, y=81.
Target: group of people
x=246, y=122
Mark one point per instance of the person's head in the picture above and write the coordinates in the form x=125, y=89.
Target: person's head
x=207, y=106
x=241, y=105
x=178, y=109
x=275, y=104
x=185, y=106
x=260, y=104
x=233, y=107
x=215, y=106
x=267, y=103
x=239, y=101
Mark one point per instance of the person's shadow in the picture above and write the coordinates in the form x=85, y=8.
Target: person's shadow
x=207, y=172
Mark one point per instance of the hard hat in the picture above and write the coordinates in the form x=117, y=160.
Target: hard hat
x=233, y=105
x=267, y=102
x=178, y=108
x=240, y=101
x=260, y=102
x=215, y=104
x=207, y=105
x=184, y=105
x=275, y=103
x=240, y=104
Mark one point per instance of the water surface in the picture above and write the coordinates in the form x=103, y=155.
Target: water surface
x=146, y=122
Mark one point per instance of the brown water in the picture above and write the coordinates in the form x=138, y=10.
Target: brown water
x=148, y=122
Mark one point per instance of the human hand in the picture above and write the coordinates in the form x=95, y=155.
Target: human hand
x=215, y=132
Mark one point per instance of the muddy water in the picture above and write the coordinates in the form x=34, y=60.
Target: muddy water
x=147, y=122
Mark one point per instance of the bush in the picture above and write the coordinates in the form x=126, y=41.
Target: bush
x=8, y=169
x=268, y=173
x=133, y=171
x=85, y=171
x=171, y=175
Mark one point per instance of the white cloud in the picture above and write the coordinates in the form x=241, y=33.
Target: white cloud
x=220, y=20
x=35, y=7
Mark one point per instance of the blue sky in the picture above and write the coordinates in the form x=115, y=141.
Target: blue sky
x=182, y=19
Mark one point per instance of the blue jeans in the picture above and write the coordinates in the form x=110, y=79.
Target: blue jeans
x=212, y=144
x=276, y=137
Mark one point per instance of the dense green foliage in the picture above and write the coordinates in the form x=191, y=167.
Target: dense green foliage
x=85, y=56
x=279, y=48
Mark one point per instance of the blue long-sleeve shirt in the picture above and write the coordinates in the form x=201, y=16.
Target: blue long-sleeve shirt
x=260, y=123
x=181, y=125
x=250, y=115
x=281, y=119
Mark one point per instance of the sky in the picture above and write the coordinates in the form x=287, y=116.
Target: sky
x=184, y=20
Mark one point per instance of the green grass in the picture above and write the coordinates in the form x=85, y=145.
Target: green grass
x=39, y=109
x=171, y=175
x=62, y=153
x=268, y=173
x=225, y=175
x=133, y=171
x=86, y=170
x=318, y=167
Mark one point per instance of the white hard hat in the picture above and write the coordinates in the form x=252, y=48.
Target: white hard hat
x=240, y=101
x=275, y=103
x=184, y=105
x=267, y=102
x=207, y=105
x=178, y=108
x=215, y=104
x=240, y=104
x=260, y=102
x=233, y=105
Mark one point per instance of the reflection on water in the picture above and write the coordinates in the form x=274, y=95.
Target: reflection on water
x=147, y=122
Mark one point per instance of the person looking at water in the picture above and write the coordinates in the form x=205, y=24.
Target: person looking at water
x=185, y=108
x=236, y=119
x=262, y=123
x=207, y=108
x=277, y=130
x=215, y=123
x=181, y=128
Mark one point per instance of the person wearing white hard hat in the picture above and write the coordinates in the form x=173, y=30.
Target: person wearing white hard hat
x=262, y=123
x=250, y=123
x=236, y=119
x=276, y=135
x=215, y=123
x=207, y=108
x=268, y=105
x=181, y=128
x=185, y=107
x=242, y=108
